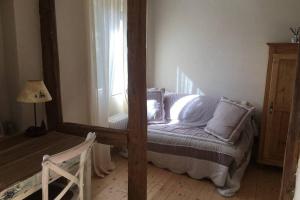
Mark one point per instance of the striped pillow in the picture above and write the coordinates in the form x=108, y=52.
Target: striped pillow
x=155, y=106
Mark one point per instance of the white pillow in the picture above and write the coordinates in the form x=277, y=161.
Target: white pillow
x=193, y=110
x=155, y=106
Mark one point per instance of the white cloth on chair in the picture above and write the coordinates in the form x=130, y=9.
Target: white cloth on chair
x=297, y=188
x=102, y=160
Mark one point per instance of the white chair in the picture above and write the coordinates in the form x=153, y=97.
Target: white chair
x=53, y=163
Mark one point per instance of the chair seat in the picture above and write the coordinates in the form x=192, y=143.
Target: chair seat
x=54, y=189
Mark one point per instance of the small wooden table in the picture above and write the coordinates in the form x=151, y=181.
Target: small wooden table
x=21, y=158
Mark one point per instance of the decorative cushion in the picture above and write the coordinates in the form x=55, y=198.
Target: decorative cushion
x=197, y=111
x=155, y=105
x=229, y=119
x=190, y=110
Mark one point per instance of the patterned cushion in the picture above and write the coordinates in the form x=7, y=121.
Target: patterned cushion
x=229, y=119
x=155, y=105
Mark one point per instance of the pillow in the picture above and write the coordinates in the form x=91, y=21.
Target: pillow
x=229, y=119
x=155, y=105
x=198, y=111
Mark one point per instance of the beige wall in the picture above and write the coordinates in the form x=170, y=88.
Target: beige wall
x=29, y=52
x=72, y=45
x=217, y=47
x=10, y=58
x=22, y=55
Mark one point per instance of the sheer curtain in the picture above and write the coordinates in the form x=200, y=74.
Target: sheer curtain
x=108, y=67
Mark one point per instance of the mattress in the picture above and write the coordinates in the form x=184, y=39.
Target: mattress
x=184, y=149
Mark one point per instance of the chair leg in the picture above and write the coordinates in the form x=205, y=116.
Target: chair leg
x=81, y=176
x=87, y=178
x=45, y=182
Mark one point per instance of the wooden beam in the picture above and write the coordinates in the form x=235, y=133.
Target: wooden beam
x=137, y=160
x=109, y=136
x=50, y=61
x=292, y=145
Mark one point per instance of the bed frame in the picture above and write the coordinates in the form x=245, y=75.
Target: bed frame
x=135, y=136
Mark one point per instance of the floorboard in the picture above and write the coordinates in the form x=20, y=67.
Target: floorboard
x=259, y=183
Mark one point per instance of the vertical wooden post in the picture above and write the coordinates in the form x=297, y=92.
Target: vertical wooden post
x=137, y=144
x=292, y=145
x=50, y=61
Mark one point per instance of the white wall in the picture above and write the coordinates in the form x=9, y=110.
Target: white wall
x=217, y=47
x=73, y=58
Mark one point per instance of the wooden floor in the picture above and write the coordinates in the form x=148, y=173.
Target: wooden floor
x=259, y=183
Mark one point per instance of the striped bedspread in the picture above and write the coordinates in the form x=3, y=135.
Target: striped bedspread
x=170, y=145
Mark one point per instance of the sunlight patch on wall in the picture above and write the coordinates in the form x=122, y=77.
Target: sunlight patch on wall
x=185, y=84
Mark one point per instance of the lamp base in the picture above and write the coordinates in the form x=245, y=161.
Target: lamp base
x=35, y=131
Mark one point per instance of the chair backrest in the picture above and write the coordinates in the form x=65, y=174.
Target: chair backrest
x=52, y=163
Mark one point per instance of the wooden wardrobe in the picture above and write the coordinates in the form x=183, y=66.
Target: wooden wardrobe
x=279, y=93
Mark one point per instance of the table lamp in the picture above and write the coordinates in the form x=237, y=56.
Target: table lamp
x=34, y=92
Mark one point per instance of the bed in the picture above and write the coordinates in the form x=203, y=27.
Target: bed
x=182, y=137
x=192, y=151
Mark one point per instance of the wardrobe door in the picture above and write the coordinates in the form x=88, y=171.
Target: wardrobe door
x=279, y=106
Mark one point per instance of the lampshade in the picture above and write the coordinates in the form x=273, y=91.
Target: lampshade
x=34, y=92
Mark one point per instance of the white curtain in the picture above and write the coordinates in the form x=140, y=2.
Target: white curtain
x=108, y=68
